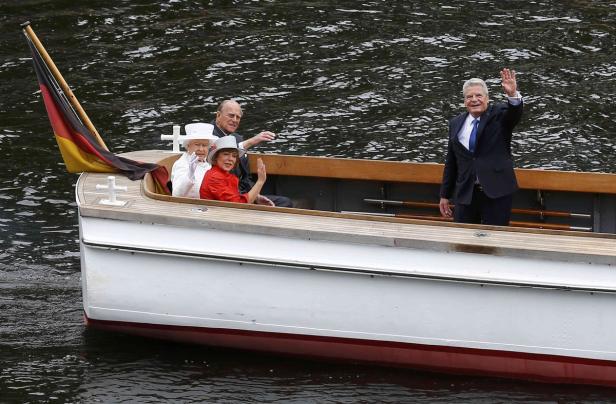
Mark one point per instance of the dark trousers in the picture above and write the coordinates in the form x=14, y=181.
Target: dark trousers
x=485, y=210
x=280, y=200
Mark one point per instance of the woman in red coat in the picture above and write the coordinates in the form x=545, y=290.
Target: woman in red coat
x=222, y=185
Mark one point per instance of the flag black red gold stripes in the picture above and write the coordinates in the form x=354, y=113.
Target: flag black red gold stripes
x=78, y=145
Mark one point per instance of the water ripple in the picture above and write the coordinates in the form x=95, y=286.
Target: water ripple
x=369, y=79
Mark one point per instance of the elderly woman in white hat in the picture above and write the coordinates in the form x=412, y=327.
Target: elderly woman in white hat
x=221, y=184
x=188, y=171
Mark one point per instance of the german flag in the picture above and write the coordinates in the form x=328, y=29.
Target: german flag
x=79, y=147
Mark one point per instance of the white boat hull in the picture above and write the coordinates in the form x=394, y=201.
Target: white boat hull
x=539, y=319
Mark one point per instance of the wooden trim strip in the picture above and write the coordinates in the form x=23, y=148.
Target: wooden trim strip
x=512, y=223
x=433, y=205
x=351, y=169
x=425, y=173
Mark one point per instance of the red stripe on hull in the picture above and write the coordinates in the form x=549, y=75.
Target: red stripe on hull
x=517, y=365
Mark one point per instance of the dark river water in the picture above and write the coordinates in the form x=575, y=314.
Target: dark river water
x=362, y=79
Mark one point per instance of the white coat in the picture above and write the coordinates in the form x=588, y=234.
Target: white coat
x=181, y=184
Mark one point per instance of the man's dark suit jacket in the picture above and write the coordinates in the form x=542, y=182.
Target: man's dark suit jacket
x=491, y=163
x=242, y=171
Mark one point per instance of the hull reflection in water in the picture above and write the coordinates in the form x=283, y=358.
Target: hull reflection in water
x=514, y=302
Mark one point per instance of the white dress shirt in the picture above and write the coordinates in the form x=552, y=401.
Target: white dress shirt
x=467, y=127
x=464, y=135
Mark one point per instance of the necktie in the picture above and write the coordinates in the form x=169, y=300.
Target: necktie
x=473, y=139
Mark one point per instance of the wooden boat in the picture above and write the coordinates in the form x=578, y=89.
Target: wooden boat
x=364, y=270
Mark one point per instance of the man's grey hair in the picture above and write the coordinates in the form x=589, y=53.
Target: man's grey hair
x=475, y=82
x=225, y=102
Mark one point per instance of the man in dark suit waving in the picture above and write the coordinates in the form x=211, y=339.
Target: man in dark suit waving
x=479, y=168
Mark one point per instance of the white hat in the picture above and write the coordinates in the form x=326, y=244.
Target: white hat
x=225, y=142
x=198, y=131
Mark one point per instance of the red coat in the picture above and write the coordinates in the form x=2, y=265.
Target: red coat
x=220, y=185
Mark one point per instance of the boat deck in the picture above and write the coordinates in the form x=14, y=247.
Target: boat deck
x=306, y=224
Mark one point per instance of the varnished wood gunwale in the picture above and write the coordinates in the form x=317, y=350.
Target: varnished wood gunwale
x=147, y=188
x=425, y=173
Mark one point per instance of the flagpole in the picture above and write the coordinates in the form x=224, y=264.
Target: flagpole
x=67, y=91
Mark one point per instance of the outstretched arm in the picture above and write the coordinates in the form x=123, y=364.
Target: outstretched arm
x=508, y=82
x=266, y=136
x=510, y=87
x=261, y=177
